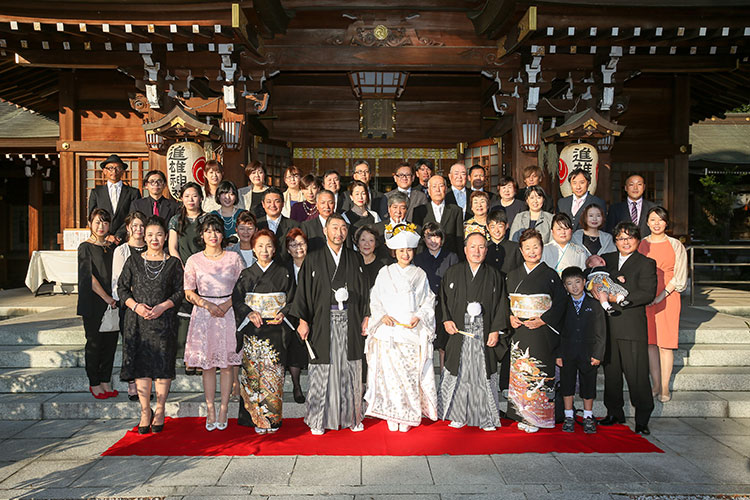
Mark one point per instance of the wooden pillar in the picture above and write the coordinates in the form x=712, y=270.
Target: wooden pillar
x=35, y=212
x=72, y=207
x=678, y=171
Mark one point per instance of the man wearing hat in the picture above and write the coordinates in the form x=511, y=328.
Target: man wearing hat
x=114, y=197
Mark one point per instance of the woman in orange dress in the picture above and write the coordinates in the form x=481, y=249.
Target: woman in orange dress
x=664, y=312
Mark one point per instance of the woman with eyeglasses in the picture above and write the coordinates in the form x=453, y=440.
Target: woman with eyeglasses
x=296, y=358
x=151, y=288
x=293, y=193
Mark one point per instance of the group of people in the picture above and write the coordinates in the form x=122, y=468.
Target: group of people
x=360, y=287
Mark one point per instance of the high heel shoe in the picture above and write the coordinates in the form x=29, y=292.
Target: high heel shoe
x=157, y=428
x=222, y=425
x=299, y=398
x=102, y=395
x=145, y=429
x=112, y=394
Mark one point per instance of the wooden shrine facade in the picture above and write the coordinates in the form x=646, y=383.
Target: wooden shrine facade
x=302, y=75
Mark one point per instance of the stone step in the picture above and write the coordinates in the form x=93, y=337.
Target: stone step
x=715, y=336
x=20, y=380
x=69, y=331
x=82, y=405
x=62, y=356
x=713, y=355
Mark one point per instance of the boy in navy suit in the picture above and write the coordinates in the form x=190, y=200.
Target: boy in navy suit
x=582, y=343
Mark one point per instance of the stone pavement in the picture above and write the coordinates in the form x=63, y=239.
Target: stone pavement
x=61, y=459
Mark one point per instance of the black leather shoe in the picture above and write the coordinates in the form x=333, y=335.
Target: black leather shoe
x=611, y=420
x=642, y=429
x=144, y=429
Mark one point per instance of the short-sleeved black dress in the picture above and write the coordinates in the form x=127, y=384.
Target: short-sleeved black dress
x=149, y=347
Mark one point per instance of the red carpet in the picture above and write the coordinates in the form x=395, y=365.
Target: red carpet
x=187, y=437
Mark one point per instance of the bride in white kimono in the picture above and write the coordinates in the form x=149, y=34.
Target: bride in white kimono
x=401, y=377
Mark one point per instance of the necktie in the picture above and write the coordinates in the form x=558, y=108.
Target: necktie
x=633, y=212
x=113, y=197
x=156, y=209
x=578, y=305
x=577, y=205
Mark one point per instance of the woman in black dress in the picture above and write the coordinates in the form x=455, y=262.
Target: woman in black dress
x=261, y=299
x=366, y=243
x=184, y=242
x=94, y=298
x=151, y=287
x=358, y=215
x=296, y=353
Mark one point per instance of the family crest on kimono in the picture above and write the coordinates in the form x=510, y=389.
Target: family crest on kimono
x=401, y=377
x=474, y=307
x=331, y=303
x=261, y=300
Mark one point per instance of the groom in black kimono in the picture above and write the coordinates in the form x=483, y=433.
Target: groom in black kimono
x=332, y=303
x=466, y=283
x=627, y=349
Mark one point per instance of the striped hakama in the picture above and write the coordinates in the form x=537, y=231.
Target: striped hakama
x=334, y=399
x=470, y=397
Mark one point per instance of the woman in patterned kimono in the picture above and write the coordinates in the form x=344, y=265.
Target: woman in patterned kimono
x=261, y=299
x=401, y=378
x=537, y=305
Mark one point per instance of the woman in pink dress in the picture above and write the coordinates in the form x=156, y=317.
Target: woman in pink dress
x=663, y=313
x=210, y=276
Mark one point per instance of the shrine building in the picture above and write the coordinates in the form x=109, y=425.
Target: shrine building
x=500, y=83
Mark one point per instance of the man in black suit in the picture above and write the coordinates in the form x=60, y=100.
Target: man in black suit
x=314, y=228
x=476, y=181
x=363, y=173
x=424, y=169
x=573, y=205
x=273, y=202
x=404, y=176
x=457, y=194
x=448, y=217
x=627, y=343
x=114, y=197
x=332, y=182
x=154, y=203
x=634, y=209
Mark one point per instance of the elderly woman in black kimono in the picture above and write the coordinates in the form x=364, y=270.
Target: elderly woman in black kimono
x=261, y=299
x=537, y=305
x=151, y=288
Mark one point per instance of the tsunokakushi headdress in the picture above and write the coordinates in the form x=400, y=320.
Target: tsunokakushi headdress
x=402, y=236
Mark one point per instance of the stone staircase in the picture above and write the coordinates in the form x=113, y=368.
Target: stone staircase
x=42, y=374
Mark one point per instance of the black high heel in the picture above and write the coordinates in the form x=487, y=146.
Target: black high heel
x=146, y=429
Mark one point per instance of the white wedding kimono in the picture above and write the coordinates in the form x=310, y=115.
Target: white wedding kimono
x=401, y=377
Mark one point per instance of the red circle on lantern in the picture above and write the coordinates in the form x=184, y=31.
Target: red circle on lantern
x=562, y=171
x=199, y=173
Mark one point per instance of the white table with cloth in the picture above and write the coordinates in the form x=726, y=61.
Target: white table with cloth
x=55, y=266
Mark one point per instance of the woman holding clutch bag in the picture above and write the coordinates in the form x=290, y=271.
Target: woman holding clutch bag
x=261, y=300
x=94, y=300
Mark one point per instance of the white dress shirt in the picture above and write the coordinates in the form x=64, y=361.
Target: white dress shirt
x=273, y=224
x=114, y=190
x=438, y=210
